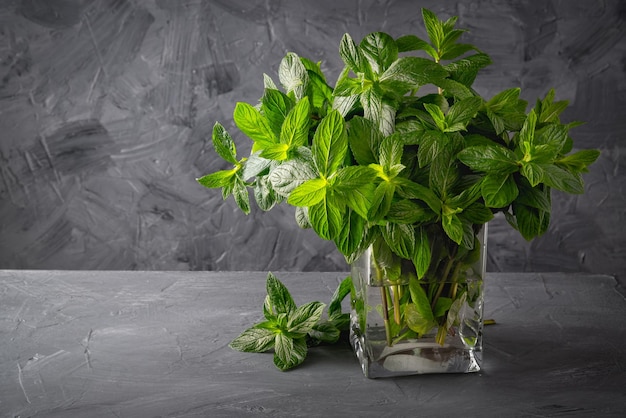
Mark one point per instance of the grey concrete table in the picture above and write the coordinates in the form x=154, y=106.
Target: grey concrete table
x=148, y=344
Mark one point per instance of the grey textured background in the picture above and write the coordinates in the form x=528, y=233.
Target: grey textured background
x=106, y=108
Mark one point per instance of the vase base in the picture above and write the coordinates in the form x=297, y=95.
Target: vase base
x=414, y=357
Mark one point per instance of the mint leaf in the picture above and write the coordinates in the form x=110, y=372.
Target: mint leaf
x=377, y=109
x=289, y=352
x=380, y=50
x=356, y=187
x=326, y=219
x=275, y=106
x=279, y=298
x=354, y=58
x=349, y=237
x=364, y=138
x=461, y=113
x=422, y=254
x=499, y=190
x=400, y=238
x=309, y=193
x=293, y=76
x=413, y=43
x=223, y=144
x=579, y=161
x=295, y=128
x=256, y=339
x=489, y=159
x=434, y=28
x=421, y=300
x=240, y=193
x=291, y=174
x=408, y=73
x=453, y=227
x=220, y=178
x=330, y=143
x=533, y=172
x=561, y=179
x=253, y=124
x=305, y=316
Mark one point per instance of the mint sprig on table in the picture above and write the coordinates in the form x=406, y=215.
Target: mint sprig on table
x=290, y=330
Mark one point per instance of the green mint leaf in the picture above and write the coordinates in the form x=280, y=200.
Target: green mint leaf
x=442, y=306
x=561, y=179
x=277, y=152
x=549, y=110
x=355, y=184
x=279, y=298
x=305, y=316
x=268, y=83
x=378, y=110
x=289, y=352
x=430, y=145
x=349, y=237
x=453, y=227
x=408, y=73
x=293, y=76
x=464, y=72
x=264, y=194
x=400, y=238
x=422, y=254
x=319, y=92
x=527, y=133
x=257, y=339
x=412, y=190
x=218, y=179
x=421, y=300
x=255, y=165
x=380, y=50
x=342, y=290
x=302, y=217
x=579, y=161
x=499, y=190
x=437, y=114
x=295, y=129
x=364, y=138
x=416, y=321
x=325, y=332
x=406, y=211
x=253, y=124
x=478, y=214
x=354, y=58
x=489, y=159
x=330, y=143
x=454, y=88
x=443, y=174
x=309, y=193
x=223, y=144
x=461, y=113
x=530, y=222
x=326, y=219
x=240, y=193
x=291, y=174
x=413, y=43
x=456, y=50
x=381, y=203
x=533, y=172
x=434, y=28
x=275, y=106
x=455, y=310
x=534, y=197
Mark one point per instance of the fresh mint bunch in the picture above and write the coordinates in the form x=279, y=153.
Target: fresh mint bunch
x=403, y=156
x=290, y=330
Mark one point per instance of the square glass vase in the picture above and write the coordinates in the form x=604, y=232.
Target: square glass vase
x=409, y=326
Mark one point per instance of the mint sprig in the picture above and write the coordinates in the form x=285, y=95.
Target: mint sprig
x=290, y=330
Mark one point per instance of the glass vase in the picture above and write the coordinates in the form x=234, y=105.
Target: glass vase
x=402, y=325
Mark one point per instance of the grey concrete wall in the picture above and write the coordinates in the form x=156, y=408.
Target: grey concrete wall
x=106, y=108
